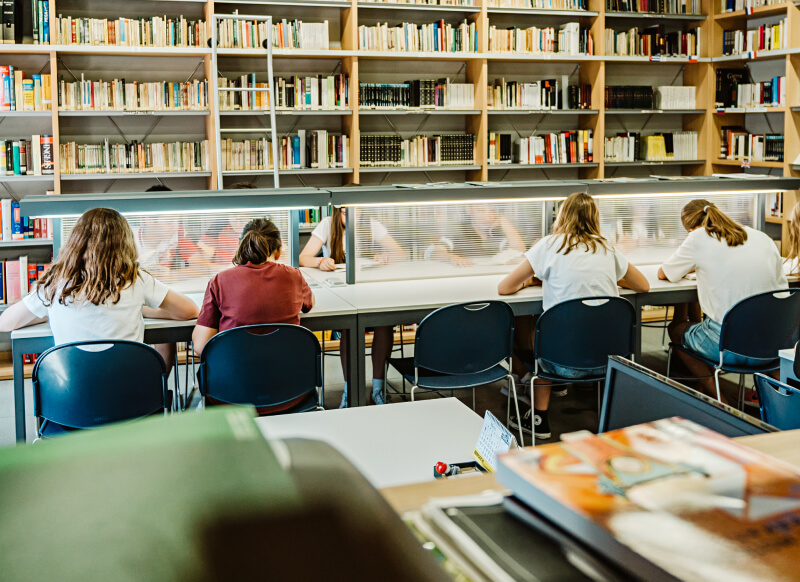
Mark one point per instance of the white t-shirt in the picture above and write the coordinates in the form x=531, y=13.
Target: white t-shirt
x=87, y=322
x=323, y=233
x=726, y=275
x=581, y=273
x=791, y=266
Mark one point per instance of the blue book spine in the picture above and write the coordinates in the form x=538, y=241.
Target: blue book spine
x=296, y=151
x=46, y=21
x=16, y=221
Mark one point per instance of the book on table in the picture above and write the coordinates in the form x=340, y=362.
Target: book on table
x=667, y=500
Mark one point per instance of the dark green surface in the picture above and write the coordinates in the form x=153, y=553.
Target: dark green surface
x=131, y=502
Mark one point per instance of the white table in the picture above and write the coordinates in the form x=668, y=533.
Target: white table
x=787, y=365
x=390, y=445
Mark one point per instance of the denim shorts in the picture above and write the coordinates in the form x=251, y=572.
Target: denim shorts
x=703, y=338
x=571, y=373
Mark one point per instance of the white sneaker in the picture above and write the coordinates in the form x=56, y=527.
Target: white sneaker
x=522, y=391
x=558, y=392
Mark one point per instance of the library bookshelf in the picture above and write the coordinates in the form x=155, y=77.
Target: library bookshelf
x=479, y=68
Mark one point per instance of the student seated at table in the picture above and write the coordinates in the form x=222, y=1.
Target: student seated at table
x=256, y=290
x=483, y=233
x=791, y=265
x=97, y=290
x=732, y=263
x=329, y=238
x=573, y=262
x=219, y=240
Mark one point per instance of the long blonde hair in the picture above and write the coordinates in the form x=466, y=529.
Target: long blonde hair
x=700, y=212
x=579, y=222
x=793, y=232
x=97, y=262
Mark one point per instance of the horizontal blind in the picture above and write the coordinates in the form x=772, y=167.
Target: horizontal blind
x=647, y=230
x=426, y=241
x=185, y=251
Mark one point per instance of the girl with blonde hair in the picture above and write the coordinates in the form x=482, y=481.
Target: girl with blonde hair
x=574, y=262
x=791, y=265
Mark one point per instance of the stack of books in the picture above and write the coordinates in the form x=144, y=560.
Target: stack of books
x=735, y=5
x=633, y=147
x=569, y=39
x=286, y=34
x=654, y=6
x=23, y=157
x=668, y=97
x=734, y=90
x=122, y=95
x=437, y=37
x=764, y=38
x=419, y=151
x=738, y=144
x=545, y=94
x=15, y=226
x=296, y=92
x=20, y=94
x=134, y=157
x=308, y=149
x=653, y=41
x=155, y=31
x=565, y=147
x=420, y=93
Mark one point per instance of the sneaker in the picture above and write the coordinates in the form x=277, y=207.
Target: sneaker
x=344, y=400
x=559, y=393
x=522, y=395
x=751, y=399
x=541, y=426
x=377, y=397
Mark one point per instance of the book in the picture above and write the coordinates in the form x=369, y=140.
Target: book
x=13, y=280
x=653, y=41
x=569, y=39
x=143, y=31
x=666, y=500
x=436, y=37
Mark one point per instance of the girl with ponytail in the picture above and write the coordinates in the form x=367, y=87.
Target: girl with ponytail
x=732, y=262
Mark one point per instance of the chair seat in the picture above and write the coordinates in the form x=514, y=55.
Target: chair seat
x=769, y=367
x=527, y=358
x=307, y=403
x=437, y=381
x=52, y=429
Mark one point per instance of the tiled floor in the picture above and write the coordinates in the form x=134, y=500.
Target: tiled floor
x=577, y=410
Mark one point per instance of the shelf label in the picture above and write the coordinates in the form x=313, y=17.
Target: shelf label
x=756, y=110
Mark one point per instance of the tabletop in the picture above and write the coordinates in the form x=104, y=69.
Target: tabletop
x=390, y=445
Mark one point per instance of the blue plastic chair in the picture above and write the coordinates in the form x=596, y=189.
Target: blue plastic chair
x=263, y=366
x=756, y=327
x=112, y=381
x=581, y=334
x=461, y=347
x=779, y=402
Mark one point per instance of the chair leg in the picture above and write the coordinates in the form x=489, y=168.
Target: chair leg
x=473, y=399
x=516, y=407
x=413, y=388
x=669, y=360
x=716, y=383
x=740, y=398
x=664, y=330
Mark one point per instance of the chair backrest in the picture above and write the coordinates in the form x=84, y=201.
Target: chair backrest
x=262, y=365
x=780, y=403
x=762, y=325
x=583, y=333
x=88, y=384
x=465, y=338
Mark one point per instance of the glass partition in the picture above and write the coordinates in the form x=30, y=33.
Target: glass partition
x=186, y=250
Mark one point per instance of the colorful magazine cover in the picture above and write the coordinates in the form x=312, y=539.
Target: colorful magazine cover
x=668, y=499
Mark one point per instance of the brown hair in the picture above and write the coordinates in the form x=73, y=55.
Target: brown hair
x=579, y=222
x=793, y=232
x=97, y=262
x=260, y=239
x=337, y=236
x=700, y=212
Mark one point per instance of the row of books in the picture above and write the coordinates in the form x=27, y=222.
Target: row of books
x=427, y=2
x=420, y=93
x=156, y=31
x=418, y=151
x=134, y=157
x=308, y=149
x=310, y=216
x=765, y=94
x=14, y=226
x=240, y=33
x=738, y=144
x=646, y=97
x=764, y=38
x=774, y=204
x=632, y=147
x=22, y=157
x=541, y=4
x=296, y=92
x=569, y=39
x=20, y=94
x=411, y=37
x=653, y=41
x=40, y=21
x=564, y=147
x=17, y=25
x=17, y=278
x=545, y=94
x=735, y=5
x=654, y=6
x=122, y=95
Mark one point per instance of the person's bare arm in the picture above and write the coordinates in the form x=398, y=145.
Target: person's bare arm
x=201, y=336
x=175, y=306
x=18, y=316
x=661, y=275
x=309, y=258
x=392, y=251
x=522, y=276
x=511, y=234
x=634, y=280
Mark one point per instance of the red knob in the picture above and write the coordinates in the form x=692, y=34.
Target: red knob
x=441, y=467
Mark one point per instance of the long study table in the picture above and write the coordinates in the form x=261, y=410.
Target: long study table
x=356, y=308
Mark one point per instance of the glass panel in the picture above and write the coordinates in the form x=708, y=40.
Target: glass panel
x=185, y=251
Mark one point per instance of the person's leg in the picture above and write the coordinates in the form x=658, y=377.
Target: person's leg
x=343, y=357
x=703, y=372
x=168, y=352
x=523, y=342
x=382, y=343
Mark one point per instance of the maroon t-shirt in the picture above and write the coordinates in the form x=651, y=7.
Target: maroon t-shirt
x=255, y=294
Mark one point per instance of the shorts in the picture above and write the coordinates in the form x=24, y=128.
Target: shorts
x=570, y=373
x=703, y=338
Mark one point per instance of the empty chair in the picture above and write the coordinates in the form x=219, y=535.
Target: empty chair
x=83, y=385
x=779, y=403
x=461, y=347
x=274, y=367
x=757, y=327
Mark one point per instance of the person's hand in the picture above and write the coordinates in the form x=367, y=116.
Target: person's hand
x=461, y=261
x=327, y=264
x=381, y=258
